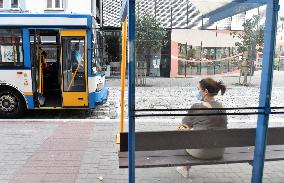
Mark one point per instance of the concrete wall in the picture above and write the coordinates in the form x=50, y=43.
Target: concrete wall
x=69, y=6
x=174, y=59
x=35, y=6
x=7, y=5
x=82, y=6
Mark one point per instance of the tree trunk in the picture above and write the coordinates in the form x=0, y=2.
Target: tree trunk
x=245, y=81
x=244, y=69
x=141, y=68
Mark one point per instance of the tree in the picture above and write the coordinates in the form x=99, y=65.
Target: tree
x=149, y=37
x=252, y=39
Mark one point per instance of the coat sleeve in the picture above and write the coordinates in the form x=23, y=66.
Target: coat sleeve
x=190, y=120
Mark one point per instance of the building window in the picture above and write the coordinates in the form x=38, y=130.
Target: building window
x=73, y=57
x=49, y=3
x=54, y=4
x=58, y=4
x=1, y=4
x=11, y=50
x=14, y=4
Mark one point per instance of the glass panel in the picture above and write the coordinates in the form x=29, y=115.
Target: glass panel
x=238, y=21
x=51, y=53
x=74, y=64
x=97, y=63
x=221, y=54
x=11, y=53
x=277, y=89
x=14, y=4
x=1, y=3
x=49, y=3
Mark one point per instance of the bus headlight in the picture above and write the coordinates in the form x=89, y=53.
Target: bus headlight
x=94, y=69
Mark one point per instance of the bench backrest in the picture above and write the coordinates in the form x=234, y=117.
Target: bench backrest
x=171, y=140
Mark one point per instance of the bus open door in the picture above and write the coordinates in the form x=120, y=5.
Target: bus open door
x=74, y=68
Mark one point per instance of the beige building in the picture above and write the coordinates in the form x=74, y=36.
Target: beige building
x=191, y=47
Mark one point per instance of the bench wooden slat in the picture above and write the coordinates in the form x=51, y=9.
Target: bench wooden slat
x=169, y=158
x=182, y=152
x=166, y=153
x=171, y=140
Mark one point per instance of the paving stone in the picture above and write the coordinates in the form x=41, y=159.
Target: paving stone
x=19, y=142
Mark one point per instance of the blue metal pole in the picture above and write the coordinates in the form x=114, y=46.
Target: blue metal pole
x=27, y=48
x=131, y=91
x=265, y=89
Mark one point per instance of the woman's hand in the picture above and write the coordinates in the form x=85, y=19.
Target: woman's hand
x=184, y=127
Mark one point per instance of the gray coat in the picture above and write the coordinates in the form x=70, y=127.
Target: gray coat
x=206, y=122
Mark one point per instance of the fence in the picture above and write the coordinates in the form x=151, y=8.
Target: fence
x=208, y=67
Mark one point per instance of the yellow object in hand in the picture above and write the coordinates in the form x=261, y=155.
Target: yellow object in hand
x=183, y=127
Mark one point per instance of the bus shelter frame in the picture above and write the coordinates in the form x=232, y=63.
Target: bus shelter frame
x=127, y=14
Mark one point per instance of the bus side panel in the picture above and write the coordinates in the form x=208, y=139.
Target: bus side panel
x=98, y=92
x=20, y=80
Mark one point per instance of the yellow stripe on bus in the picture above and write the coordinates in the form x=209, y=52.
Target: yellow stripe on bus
x=28, y=93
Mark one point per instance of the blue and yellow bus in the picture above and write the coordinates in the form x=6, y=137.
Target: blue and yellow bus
x=47, y=61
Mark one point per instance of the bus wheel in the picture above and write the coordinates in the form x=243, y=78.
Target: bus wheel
x=11, y=104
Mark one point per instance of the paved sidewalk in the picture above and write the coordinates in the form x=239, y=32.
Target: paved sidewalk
x=85, y=152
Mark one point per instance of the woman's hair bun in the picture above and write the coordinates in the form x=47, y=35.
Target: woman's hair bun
x=222, y=86
x=212, y=86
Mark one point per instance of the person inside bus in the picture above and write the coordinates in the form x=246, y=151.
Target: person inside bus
x=76, y=59
x=41, y=79
x=43, y=56
x=206, y=91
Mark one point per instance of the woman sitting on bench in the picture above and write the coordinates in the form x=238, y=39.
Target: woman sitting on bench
x=207, y=89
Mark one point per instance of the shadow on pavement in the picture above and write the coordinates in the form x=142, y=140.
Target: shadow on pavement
x=56, y=114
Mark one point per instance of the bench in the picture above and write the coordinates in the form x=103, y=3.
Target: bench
x=167, y=148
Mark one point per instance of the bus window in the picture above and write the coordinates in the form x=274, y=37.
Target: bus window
x=96, y=66
x=11, y=51
x=73, y=55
